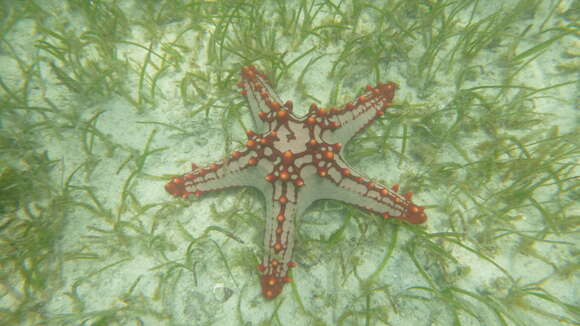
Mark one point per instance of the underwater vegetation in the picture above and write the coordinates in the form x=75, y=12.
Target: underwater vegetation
x=100, y=99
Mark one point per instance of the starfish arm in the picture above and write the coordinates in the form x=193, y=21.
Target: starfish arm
x=353, y=117
x=345, y=185
x=281, y=209
x=261, y=97
x=239, y=170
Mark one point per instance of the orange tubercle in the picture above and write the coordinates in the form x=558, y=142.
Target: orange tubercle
x=414, y=214
x=176, y=187
x=271, y=286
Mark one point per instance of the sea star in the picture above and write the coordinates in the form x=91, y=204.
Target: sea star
x=296, y=161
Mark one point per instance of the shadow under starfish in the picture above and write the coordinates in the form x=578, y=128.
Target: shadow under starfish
x=296, y=161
